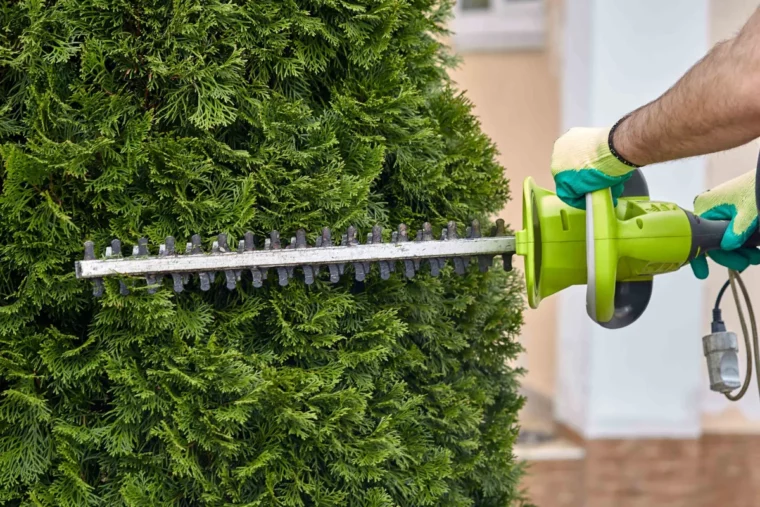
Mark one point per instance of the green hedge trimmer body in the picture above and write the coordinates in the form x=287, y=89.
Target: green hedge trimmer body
x=614, y=250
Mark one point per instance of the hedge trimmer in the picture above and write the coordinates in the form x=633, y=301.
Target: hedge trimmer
x=614, y=250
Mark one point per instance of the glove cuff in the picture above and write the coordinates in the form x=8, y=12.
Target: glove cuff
x=611, y=145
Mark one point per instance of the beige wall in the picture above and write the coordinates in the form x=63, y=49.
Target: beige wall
x=722, y=416
x=516, y=97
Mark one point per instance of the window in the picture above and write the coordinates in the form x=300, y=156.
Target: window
x=499, y=24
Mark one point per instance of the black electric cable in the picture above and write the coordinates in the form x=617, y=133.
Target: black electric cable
x=717, y=325
x=720, y=294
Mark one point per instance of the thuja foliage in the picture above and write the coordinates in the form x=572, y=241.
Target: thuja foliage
x=122, y=119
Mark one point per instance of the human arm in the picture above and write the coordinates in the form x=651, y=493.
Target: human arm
x=715, y=106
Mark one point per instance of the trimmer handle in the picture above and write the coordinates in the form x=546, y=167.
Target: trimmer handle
x=601, y=256
x=708, y=234
x=602, y=247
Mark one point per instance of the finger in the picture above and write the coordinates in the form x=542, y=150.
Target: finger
x=753, y=255
x=740, y=225
x=699, y=267
x=567, y=193
x=739, y=229
x=617, y=191
x=572, y=201
x=732, y=260
x=721, y=212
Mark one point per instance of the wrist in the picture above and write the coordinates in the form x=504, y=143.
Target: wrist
x=621, y=146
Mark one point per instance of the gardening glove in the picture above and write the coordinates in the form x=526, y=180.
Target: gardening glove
x=582, y=162
x=733, y=200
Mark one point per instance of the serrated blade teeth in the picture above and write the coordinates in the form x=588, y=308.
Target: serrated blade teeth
x=484, y=261
x=170, y=250
x=300, y=238
x=195, y=245
x=89, y=255
x=385, y=266
x=427, y=232
x=155, y=281
x=221, y=246
x=403, y=237
x=197, y=249
x=343, y=242
x=170, y=245
x=451, y=234
x=359, y=267
x=326, y=237
x=417, y=262
x=443, y=260
x=501, y=231
x=325, y=241
x=231, y=278
x=308, y=271
x=274, y=244
x=258, y=274
x=116, y=252
x=368, y=265
x=142, y=246
x=141, y=250
x=427, y=235
x=423, y=248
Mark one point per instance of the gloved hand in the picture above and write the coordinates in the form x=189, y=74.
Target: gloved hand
x=582, y=163
x=733, y=200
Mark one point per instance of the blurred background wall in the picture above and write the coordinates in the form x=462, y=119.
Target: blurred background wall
x=622, y=418
x=515, y=87
x=720, y=415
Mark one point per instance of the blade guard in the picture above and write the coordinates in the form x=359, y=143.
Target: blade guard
x=611, y=303
x=560, y=250
x=552, y=243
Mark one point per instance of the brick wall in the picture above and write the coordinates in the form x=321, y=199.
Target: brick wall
x=717, y=470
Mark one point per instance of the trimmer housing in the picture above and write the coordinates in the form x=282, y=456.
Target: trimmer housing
x=614, y=250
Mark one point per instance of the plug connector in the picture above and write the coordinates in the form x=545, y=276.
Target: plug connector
x=717, y=325
x=721, y=350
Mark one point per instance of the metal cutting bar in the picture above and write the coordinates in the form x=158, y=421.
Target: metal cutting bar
x=291, y=258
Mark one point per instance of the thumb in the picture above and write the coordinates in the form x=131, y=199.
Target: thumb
x=741, y=226
x=699, y=267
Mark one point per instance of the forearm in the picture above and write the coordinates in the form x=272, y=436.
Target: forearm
x=714, y=107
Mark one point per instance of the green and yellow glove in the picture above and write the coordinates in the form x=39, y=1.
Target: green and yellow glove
x=733, y=200
x=582, y=162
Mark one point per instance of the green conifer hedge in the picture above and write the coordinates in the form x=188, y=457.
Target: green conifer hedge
x=130, y=118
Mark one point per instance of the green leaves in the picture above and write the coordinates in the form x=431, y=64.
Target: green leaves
x=122, y=119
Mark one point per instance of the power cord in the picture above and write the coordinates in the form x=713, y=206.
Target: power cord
x=721, y=347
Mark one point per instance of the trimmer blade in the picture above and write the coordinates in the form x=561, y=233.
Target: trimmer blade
x=298, y=254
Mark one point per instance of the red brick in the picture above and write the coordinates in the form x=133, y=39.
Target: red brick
x=716, y=470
